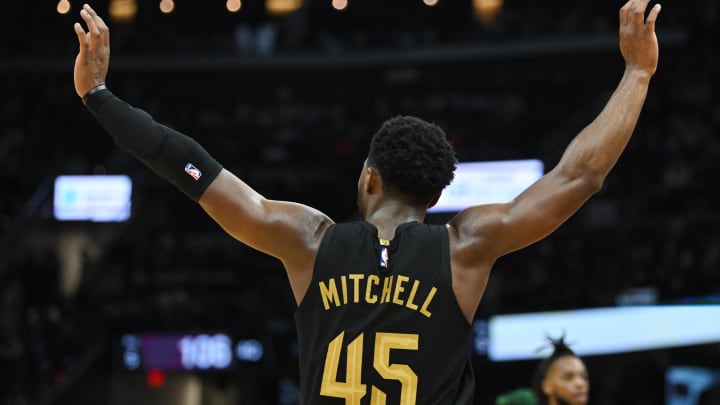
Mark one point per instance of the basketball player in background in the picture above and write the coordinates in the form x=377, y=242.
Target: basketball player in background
x=561, y=378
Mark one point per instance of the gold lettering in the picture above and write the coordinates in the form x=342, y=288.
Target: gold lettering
x=426, y=304
x=343, y=282
x=399, y=288
x=329, y=294
x=387, y=290
x=410, y=304
x=356, y=286
x=371, y=298
x=392, y=291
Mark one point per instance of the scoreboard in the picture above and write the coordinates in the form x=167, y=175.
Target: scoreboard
x=186, y=351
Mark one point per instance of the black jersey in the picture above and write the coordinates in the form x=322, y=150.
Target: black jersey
x=380, y=323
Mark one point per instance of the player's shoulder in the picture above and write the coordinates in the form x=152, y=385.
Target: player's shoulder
x=477, y=219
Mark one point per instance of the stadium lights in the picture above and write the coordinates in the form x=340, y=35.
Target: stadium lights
x=126, y=10
x=339, y=4
x=122, y=10
x=167, y=6
x=486, y=10
x=279, y=7
x=233, y=6
x=63, y=7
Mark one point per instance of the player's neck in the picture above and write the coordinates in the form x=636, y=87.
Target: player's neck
x=386, y=217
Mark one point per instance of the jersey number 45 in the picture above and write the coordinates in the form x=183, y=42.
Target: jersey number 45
x=353, y=390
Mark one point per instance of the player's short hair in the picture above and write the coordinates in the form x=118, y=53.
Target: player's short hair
x=413, y=157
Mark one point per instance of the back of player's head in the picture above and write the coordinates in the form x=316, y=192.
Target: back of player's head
x=413, y=157
x=560, y=350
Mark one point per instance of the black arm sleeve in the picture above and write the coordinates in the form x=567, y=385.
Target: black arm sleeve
x=169, y=153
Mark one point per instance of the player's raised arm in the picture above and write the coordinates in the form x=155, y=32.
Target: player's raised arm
x=490, y=231
x=291, y=232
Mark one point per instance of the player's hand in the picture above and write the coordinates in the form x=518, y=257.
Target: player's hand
x=638, y=42
x=91, y=64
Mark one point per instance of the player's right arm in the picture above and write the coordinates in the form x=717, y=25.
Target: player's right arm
x=288, y=231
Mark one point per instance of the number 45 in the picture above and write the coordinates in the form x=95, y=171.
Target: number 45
x=353, y=390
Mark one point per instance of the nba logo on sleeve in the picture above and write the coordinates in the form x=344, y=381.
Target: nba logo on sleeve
x=193, y=171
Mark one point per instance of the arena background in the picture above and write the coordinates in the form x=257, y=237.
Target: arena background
x=288, y=100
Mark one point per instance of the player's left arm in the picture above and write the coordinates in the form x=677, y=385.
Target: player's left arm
x=288, y=231
x=486, y=232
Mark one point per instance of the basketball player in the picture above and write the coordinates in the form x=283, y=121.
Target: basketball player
x=561, y=378
x=385, y=304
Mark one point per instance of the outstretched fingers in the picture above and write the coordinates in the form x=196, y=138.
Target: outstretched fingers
x=98, y=31
x=102, y=28
x=624, y=10
x=638, y=12
x=82, y=37
x=652, y=17
x=89, y=21
x=633, y=14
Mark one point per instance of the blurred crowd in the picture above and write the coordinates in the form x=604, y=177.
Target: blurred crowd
x=301, y=134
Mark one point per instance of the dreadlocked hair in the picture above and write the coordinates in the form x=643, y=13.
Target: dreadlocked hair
x=413, y=157
x=560, y=349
